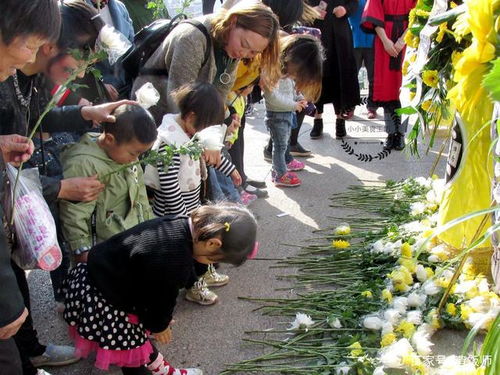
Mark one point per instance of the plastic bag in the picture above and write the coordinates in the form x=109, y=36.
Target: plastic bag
x=35, y=230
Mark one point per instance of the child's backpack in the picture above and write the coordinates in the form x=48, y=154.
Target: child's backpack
x=146, y=42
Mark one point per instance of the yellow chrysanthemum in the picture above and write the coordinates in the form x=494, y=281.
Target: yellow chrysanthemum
x=433, y=319
x=421, y=13
x=342, y=230
x=441, y=31
x=426, y=105
x=430, y=78
x=402, y=287
x=453, y=5
x=356, y=349
x=340, y=244
x=429, y=271
x=465, y=311
x=472, y=292
x=410, y=264
x=451, y=309
x=413, y=362
x=406, y=328
x=443, y=282
x=367, y=294
x=406, y=250
x=411, y=18
x=405, y=67
x=427, y=233
x=412, y=95
x=411, y=40
x=455, y=56
x=387, y=339
x=387, y=295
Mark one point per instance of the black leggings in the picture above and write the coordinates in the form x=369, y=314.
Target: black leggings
x=141, y=370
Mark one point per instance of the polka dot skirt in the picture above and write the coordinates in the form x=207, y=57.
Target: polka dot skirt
x=96, y=319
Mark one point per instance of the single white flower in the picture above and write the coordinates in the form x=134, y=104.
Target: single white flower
x=464, y=286
x=434, y=259
x=379, y=371
x=378, y=246
x=431, y=197
x=425, y=182
x=430, y=288
x=416, y=300
x=372, y=322
x=147, y=96
x=421, y=273
x=113, y=42
x=392, y=316
x=387, y=327
x=392, y=355
x=479, y=304
x=344, y=370
x=400, y=304
x=301, y=322
x=211, y=138
x=417, y=208
x=414, y=227
x=483, y=285
x=421, y=342
x=336, y=323
x=414, y=316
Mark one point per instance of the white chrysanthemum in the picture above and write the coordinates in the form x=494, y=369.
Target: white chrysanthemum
x=379, y=371
x=421, y=341
x=464, y=286
x=392, y=316
x=425, y=182
x=414, y=316
x=479, y=304
x=417, y=208
x=438, y=186
x=430, y=288
x=483, y=286
x=454, y=365
x=378, y=246
x=416, y=300
x=434, y=259
x=336, y=323
x=414, y=227
x=113, y=42
x=372, y=322
x=147, y=96
x=302, y=322
x=344, y=370
x=400, y=304
x=421, y=273
x=387, y=327
x=211, y=137
x=392, y=355
x=431, y=197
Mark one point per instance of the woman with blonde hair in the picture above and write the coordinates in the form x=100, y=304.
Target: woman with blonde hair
x=208, y=48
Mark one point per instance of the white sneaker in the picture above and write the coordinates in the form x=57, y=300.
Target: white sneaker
x=42, y=372
x=200, y=294
x=213, y=278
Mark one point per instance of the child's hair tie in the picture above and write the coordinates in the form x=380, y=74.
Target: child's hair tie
x=227, y=226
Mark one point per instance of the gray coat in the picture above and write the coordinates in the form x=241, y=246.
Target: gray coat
x=182, y=54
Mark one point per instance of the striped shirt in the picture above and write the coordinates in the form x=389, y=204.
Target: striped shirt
x=170, y=200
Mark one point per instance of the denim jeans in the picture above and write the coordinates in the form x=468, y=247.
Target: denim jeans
x=279, y=125
x=222, y=187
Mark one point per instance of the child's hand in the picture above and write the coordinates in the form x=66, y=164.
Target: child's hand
x=165, y=336
x=339, y=11
x=212, y=157
x=235, y=176
x=300, y=105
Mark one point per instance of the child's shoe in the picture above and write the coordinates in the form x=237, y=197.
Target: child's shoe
x=295, y=165
x=200, y=294
x=161, y=367
x=55, y=355
x=289, y=179
x=247, y=198
x=213, y=278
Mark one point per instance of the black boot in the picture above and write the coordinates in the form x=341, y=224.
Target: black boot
x=317, y=130
x=399, y=142
x=340, y=131
x=389, y=142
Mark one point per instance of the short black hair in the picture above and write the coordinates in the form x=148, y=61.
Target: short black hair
x=235, y=225
x=288, y=11
x=80, y=26
x=21, y=18
x=132, y=121
x=204, y=100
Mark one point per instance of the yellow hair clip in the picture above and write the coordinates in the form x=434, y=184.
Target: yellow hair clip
x=227, y=226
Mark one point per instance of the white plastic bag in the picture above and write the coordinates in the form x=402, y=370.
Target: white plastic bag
x=34, y=226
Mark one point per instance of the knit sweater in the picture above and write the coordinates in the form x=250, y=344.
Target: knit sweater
x=182, y=54
x=283, y=98
x=142, y=269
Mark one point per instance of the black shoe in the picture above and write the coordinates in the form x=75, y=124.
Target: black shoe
x=257, y=184
x=260, y=193
x=340, y=131
x=389, y=142
x=298, y=150
x=268, y=155
x=317, y=130
x=399, y=142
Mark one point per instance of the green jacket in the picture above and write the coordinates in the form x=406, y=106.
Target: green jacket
x=122, y=205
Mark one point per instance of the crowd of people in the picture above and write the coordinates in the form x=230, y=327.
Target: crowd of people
x=125, y=228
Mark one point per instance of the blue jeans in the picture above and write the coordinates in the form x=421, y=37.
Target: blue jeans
x=222, y=187
x=279, y=125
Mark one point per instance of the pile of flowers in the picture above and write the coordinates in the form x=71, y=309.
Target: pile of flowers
x=378, y=285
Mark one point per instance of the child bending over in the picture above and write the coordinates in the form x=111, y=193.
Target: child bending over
x=130, y=283
x=123, y=203
x=301, y=69
x=177, y=189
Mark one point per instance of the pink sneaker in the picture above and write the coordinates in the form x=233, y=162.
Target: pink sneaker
x=247, y=198
x=289, y=179
x=295, y=165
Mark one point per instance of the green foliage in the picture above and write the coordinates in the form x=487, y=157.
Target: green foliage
x=492, y=80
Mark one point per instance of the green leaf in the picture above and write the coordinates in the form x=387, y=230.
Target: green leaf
x=410, y=110
x=492, y=79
